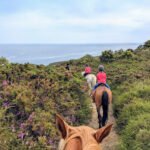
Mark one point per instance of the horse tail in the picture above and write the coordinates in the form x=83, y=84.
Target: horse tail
x=105, y=98
x=105, y=106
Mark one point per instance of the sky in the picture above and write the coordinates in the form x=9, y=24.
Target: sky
x=74, y=21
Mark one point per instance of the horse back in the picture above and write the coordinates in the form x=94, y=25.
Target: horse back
x=100, y=93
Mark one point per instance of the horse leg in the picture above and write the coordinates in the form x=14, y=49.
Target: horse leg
x=105, y=108
x=93, y=95
x=99, y=117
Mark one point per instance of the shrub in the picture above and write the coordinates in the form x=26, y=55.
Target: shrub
x=87, y=59
x=127, y=54
x=3, y=61
x=147, y=44
x=131, y=110
x=133, y=133
x=107, y=56
x=142, y=139
x=140, y=47
x=123, y=99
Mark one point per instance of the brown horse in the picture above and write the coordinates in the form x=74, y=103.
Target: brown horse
x=102, y=97
x=80, y=138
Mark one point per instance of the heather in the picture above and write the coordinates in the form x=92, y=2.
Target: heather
x=30, y=96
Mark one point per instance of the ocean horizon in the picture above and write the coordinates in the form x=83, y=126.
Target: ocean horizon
x=50, y=53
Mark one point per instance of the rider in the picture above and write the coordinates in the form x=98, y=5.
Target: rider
x=101, y=77
x=67, y=66
x=87, y=70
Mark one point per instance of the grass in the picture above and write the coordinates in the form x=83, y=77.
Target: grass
x=132, y=109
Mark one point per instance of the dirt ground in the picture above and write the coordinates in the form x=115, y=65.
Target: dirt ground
x=112, y=140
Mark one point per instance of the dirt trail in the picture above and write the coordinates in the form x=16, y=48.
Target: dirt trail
x=110, y=142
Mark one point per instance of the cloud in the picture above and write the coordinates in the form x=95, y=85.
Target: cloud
x=134, y=18
x=88, y=20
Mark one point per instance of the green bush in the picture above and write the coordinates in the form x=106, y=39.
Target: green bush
x=142, y=139
x=128, y=93
x=147, y=44
x=3, y=61
x=107, y=56
x=140, y=47
x=128, y=54
x=123, y=99
x=136, y=134
x=132, y=108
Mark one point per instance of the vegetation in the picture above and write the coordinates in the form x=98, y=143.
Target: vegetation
x=31, y=95
x=107, y=56
x=147, y=44
x=132, y=103
x=128, y=75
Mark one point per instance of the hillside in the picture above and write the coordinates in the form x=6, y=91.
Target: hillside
x=31, y=95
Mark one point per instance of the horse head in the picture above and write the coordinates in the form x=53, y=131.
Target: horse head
x=81, y=137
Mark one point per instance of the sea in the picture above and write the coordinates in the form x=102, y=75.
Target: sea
x=50, y=53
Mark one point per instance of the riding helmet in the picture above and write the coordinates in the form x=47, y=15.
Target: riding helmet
x=101, y=68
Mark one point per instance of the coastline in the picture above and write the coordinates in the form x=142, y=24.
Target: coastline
x=51, y=54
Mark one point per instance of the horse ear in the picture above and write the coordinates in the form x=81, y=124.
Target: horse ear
x=102, y=133
x=62, y=126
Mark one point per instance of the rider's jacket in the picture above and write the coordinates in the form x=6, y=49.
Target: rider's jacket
x=101, y=77
x=87, y=69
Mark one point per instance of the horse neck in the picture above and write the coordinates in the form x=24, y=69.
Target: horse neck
x=76, y=144
x=79, y=141
x=70, y=144
x=92, y=147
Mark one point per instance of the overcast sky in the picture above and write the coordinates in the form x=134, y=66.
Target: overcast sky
x=74, y=21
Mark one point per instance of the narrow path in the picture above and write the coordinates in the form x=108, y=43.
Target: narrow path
x=110, y=142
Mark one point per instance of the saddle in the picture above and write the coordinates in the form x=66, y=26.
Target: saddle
x=103, y=84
